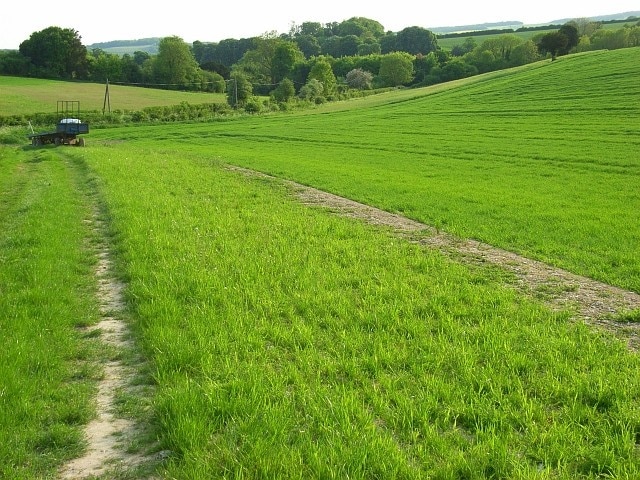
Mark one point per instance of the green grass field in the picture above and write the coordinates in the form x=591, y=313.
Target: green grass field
x=287, y=342
x=448, y=43
x=290, y=343
x=543, y=161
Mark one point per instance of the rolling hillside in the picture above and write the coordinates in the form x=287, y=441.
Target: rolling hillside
x=551, y=132
x=265, y=336
x=287, y=339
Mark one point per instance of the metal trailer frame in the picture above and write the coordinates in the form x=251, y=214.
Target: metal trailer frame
x=67, y=129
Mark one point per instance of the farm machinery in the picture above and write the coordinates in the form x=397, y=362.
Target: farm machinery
x=67, y=129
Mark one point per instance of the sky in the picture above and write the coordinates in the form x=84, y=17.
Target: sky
x=212, y=21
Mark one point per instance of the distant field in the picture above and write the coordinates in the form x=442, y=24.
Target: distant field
x=26, y=96
x=449, y=43
x=151, y=48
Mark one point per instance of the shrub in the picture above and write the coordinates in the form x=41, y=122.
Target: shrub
x=359, y=79
x=253, y=105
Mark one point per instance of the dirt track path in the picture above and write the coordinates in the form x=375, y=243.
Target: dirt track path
x=110, y=435
x=107, y=433
x=589, y=300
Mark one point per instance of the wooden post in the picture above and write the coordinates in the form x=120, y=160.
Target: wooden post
x=107, y=100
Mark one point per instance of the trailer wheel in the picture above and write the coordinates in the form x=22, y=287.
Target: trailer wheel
x=57, y=141
x=80, y=142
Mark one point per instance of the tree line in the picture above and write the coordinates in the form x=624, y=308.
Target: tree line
x=312, y=62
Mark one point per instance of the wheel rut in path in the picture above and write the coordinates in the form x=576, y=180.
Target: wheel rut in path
x=596, y=303
x=109, y=435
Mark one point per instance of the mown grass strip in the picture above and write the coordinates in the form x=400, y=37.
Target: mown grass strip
x=290, y=343
x=45, y=294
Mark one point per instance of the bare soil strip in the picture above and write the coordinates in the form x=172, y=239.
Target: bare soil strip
x=591, y=301
x=108, y=434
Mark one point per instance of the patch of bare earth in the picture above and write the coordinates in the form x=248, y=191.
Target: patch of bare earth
x=589, y=300
x=109, y=434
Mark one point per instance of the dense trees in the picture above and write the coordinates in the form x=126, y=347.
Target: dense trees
x=359, y=79
x=396, y=69
x=467, y=46
x=355, y=36
x=323, y=73
x=239, y=89
x=14, y=63
x=285, y=56
x=284, y=92
x=312, y=91
x=269, y=62
x=416, y=40
x=494, y=53
x=56, y=52
x=571, y=32
x=175, y=64
x=308, y=45
x=361, y=27
x=614, y=39
x=560, y=42
x=525, y=52
x=105, y=66
x=554, y=43
x=584, y=26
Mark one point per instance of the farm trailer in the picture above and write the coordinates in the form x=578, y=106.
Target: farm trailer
x=67, y=129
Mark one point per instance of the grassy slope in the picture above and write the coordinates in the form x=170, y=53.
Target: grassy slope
x=291, y=343
x=542, y=160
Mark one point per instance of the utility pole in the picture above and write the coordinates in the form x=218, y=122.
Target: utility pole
x=107, y=100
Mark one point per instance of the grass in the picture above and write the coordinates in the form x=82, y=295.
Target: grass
x=46, y=381
x=290, y=343
x=449, y=43
x=632, y=316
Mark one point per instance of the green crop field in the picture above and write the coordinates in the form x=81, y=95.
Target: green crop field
x=287, y=342
x=543, y=161
x=45, y=295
